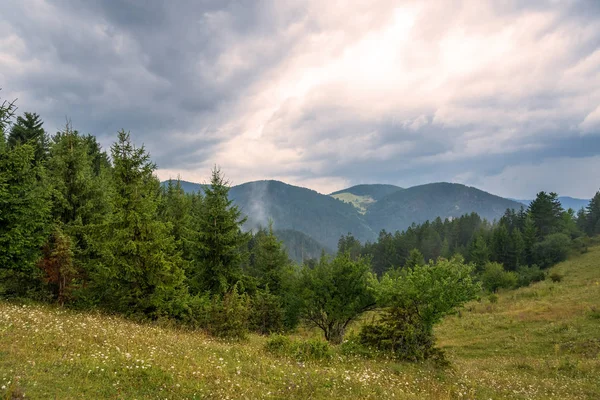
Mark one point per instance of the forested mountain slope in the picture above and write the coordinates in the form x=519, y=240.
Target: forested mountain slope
x=321, y=217
x=418, y=204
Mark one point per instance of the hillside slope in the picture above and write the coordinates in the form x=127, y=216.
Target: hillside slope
x=539, y=342
x=374, y=191
x=418, y=204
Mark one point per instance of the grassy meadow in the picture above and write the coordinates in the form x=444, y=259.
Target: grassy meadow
x=538, y=342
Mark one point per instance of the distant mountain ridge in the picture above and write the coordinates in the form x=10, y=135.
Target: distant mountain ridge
x=417, y=204
x=309, y=222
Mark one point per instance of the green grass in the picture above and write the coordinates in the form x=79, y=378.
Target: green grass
x=361, y=203
x=538, y=342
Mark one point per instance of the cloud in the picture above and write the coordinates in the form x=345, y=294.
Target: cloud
x=591, y=123
x=562, y=174
x=321, y=94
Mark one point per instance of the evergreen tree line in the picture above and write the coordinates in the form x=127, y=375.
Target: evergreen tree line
x=85, y=229
x=521, y=243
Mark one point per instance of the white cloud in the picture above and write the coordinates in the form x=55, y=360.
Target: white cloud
x=591, y=123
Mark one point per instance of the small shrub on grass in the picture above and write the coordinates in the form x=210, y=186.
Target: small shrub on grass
x=313, y=349
x=400, y=333
x=528, y=275
x=301, y=350
x=494, y=277
x=555, y=277
x=493, y=298
x=415, y=300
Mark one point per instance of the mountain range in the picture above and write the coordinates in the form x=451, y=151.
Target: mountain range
x=309, y=222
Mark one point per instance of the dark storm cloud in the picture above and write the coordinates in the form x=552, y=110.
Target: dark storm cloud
x=321, y=95
x=149, y=67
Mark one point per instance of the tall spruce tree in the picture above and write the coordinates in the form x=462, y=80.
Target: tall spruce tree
x=517, y=250
x=81, y=203
x=176, y=209
x=30, y=129
x=142, y=271
x=529, y=240
x=219, y=247
x=24, y=220
x=593, y=216
x=501, y=245
x=546, y=212
x=269, y=261
x=479, y=252
x=581, y=220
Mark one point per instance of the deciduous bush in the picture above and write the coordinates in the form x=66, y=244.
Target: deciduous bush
x=400, y=332
x=415, y=299
x=334, y=293
x=553, y=249
x=529, y=275
x=494, y=277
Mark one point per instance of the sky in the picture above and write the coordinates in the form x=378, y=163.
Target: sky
x=498, y=94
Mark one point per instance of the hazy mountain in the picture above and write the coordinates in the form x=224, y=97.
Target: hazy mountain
x=400, y=209
x=300, y=246
x=308, y=222
x=566, y=202
x=321, y=217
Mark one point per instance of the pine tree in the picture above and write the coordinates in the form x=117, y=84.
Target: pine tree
x=142, y=272
x=501, y=245
x=57, y=264
x=29, y=129
x=431, y=243
x=348, y=243
x=521, y=216
x=98, y=157
x=479, y=253
x=7, y=112
x=593, y=216
x=24, y=219
x=415, y=259
x=270, y=260
x=582, y=220
x=445, y=251
x=529, y=240
x=176, y=209
x=220, y=243
x=81, y=202
x=517, y=249
x=546, y=212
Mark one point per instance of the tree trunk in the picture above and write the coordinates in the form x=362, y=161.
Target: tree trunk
x=335, y=334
